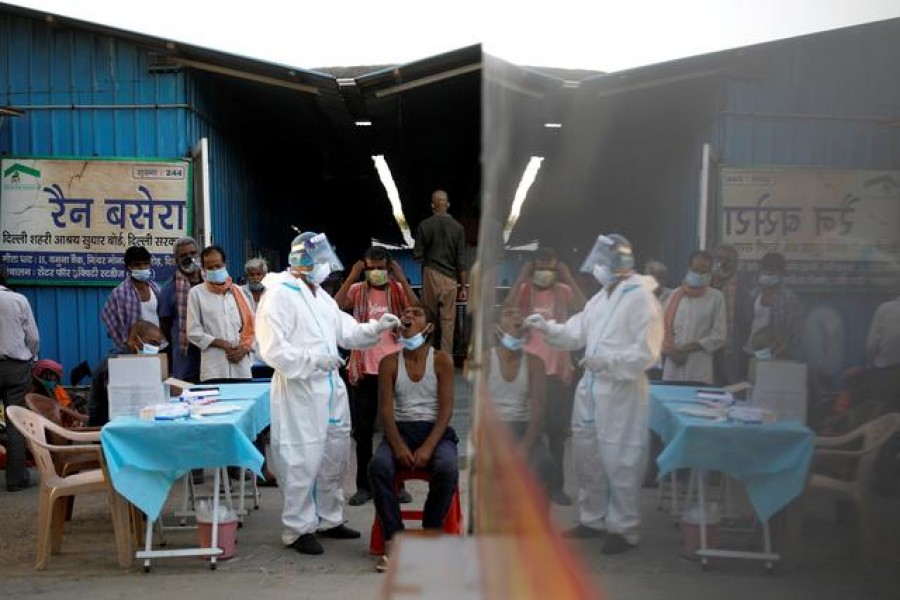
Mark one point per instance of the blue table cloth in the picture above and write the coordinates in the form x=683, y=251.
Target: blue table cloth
x=146, y=457
x=770, y=460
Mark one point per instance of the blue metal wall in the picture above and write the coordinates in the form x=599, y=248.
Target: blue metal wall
x=235, y=192
x=120, y=109
x=822, y=101
x=46, y=70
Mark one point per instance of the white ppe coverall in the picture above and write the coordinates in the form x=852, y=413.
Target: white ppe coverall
x=622, y=334
x=310, y=429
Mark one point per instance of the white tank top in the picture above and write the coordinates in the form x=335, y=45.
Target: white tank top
x=510, y=398
x=148, y=309
x=416, y=400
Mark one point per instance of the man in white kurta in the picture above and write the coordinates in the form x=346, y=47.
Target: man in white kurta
x=696, y=325
x=299, y=328
x=620, y=329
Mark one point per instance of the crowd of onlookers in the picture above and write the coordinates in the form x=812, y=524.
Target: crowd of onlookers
x=553, y=357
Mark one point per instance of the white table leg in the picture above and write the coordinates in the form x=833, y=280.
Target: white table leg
x=148, y=543
x=214, y=543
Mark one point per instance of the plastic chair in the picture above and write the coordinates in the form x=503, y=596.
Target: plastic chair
x=452, y=522
x=850, y=473
x=54, y=412
x=55, y=487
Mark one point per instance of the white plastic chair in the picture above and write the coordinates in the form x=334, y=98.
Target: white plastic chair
x=56, y=489
x=849, y=473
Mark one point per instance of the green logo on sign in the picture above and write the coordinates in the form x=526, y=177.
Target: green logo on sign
x=13, y=176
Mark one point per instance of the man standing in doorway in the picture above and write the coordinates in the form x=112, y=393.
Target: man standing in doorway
x=440, y=247
x=19, y=344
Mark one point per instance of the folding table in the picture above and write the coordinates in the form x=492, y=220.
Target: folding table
x=145, y=458
x=770, y=460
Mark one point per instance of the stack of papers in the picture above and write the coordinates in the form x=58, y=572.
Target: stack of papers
x=717, y=414
x=718, y=396
x=168, y=412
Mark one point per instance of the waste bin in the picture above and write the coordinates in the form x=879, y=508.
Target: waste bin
x=228, y=526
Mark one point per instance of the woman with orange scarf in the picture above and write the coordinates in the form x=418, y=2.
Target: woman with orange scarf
x=695, y=325
x=220, y=322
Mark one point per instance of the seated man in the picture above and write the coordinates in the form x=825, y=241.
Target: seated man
x=47, y=381
x=517, y=388
x=143, y=338
x=415, y=400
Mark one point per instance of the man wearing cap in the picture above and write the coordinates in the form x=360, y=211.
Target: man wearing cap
x=19, y=345
x=621, y=331
x=299, y=328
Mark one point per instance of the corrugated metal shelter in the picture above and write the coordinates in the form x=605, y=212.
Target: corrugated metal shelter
x=283, y=145
x=632, y=142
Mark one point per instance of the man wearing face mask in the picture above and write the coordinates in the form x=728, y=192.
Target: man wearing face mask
x=185, y=357
x=777, y=313
x=144, y=337
x=695, y=326
x=621, y=331
x=415, y=399
x=385, y=290
x=299, y=328
x=546, y=286
x=220, y=323
x=516, y=387
x=136, y=298
x=255, y=270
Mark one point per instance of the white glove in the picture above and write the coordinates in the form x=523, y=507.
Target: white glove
x=595, y=364
x=327, y=362
x=536, y=322
x=387, y=322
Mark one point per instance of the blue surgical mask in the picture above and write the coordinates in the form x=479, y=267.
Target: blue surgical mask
x=511, y=342
x=603, y=275
x=768, y=281
x=697, y=280
x=149, y=349
x=141, y=274
x=412, y=343
x=319, y=273
x=217, y=275
x=764, y=354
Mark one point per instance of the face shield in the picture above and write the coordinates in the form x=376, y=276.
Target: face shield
x=612, y=251
x=309, y=249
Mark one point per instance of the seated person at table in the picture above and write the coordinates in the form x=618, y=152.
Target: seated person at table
x=516, y=383
x=415, y=400
x=143, y=338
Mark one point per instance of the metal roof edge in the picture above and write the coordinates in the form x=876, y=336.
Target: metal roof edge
x=721, y=59
x=175, y=49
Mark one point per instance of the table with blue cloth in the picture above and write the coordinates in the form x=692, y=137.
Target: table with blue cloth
x=145, y=458
x=770, y=460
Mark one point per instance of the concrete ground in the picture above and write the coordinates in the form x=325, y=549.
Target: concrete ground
x=264, y=569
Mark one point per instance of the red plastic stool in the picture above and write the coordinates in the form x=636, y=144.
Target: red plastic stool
x=452, y=522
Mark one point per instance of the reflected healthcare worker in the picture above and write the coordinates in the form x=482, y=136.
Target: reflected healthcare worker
x=621, y=331
x=299, y=328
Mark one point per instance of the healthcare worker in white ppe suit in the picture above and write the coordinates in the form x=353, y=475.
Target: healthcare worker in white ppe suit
x=621, y=331
x=299, y=328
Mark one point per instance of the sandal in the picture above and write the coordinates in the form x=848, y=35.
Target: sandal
x=382, y=565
